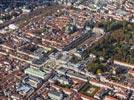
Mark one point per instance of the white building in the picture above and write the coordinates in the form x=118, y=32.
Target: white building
x=55, y=95
x=12, y=27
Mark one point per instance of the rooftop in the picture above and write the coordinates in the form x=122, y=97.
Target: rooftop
x=35, y=72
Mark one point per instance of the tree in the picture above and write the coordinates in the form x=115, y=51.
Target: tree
x=99, y=71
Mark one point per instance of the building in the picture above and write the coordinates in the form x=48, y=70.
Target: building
x=62, y=80
x=16, y=96
x=76, y=67
x=72, y=74
x=36, y=73
x=55, y=95
x=25, y=10
x=24, y=89
x=101, y=93
x=121, y=96
x=110, y=98
x=32, y=81
x=98, y=30
x=131, y=72
x=12, y=27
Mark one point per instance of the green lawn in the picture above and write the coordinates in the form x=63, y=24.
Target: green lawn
x=89, y=89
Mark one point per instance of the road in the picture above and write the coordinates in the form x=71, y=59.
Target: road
x=88, y=74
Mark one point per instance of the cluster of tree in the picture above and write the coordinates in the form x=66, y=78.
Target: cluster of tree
x=112, y=25
x=97, y=67
x=6, y=17
x=117, y=44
